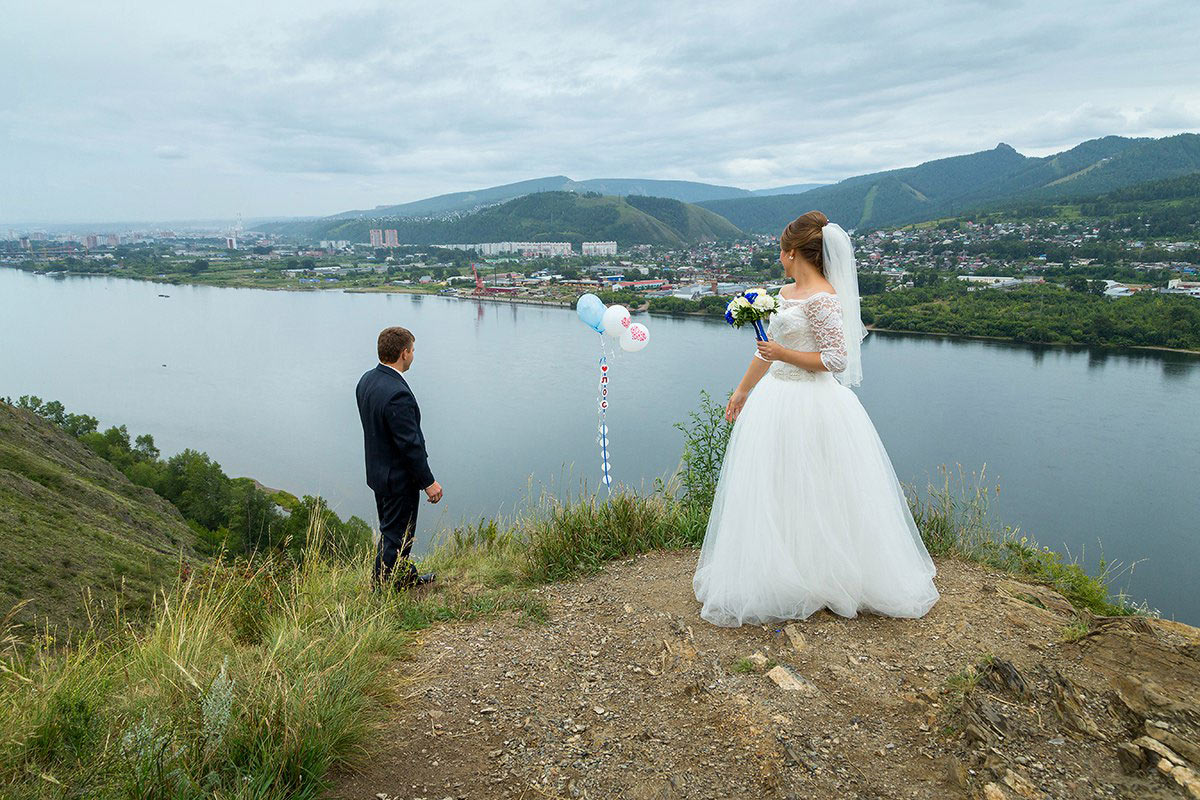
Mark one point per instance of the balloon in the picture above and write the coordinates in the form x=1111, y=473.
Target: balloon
x=591, y=310
x=636, y=337
x=616, y=321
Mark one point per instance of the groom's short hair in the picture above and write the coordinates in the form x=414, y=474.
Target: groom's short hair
x=393, y=342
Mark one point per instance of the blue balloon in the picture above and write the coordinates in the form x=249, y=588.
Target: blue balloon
x=591, y=310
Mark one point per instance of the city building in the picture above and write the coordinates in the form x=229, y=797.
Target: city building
x=391, y=238
x=694, y=292
x=376, y=237
x=642, y=286
x=530, y=249
x=599, y=248
x=987, y=280
x=1180, y=286
x=1115, y=289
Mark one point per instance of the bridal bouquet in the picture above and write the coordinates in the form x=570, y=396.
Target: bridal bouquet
x=751, y=308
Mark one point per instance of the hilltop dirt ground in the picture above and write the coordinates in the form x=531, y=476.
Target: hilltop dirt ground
x=627, y=693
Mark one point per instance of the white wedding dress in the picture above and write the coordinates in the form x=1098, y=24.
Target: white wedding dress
x=808, y=512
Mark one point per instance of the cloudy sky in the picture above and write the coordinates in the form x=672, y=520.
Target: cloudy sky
x=160, y=110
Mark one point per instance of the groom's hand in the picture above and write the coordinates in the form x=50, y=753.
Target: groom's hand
x=433, y=492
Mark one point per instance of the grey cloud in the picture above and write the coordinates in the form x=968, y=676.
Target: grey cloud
x=313, y=107
x=285, y=157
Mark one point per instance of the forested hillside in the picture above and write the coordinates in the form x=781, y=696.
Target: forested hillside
x=1167, y=207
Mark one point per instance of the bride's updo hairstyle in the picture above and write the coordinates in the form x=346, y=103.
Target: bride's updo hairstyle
x=804, y=234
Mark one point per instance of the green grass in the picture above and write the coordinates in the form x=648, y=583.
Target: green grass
x=565, y=539
x=254, y=679
x=554, y=540
x=954, y=520
x=1076, y=630
x=962, y=682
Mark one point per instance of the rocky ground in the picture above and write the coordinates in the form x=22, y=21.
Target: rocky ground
x=626, y=693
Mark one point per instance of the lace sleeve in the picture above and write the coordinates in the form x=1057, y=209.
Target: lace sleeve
x=825, y=317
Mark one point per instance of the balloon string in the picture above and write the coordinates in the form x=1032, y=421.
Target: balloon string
x=602, y=407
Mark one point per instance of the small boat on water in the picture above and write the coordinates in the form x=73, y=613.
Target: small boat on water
x=164, y=295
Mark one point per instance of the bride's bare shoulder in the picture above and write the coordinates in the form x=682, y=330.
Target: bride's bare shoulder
x=823, y=287
x=826, y=287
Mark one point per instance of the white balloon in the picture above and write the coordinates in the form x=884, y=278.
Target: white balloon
x=635, y=338
x=615, y=321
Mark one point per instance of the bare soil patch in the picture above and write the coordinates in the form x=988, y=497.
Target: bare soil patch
x=627, y=693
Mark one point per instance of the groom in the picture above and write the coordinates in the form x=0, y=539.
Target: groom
x=397, y=464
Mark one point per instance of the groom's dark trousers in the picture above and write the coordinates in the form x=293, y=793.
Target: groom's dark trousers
x=397, y=467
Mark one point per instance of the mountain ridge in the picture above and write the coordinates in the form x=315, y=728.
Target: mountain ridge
x=937, y=188
x=544, y=216
x=475, y=199
x=974, y=181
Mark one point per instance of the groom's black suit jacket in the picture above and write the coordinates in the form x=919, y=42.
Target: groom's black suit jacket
x=395, y=447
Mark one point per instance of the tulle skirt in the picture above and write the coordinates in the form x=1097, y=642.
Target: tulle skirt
x=808, y=514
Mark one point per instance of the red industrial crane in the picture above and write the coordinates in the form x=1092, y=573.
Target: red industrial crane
x=479, y=287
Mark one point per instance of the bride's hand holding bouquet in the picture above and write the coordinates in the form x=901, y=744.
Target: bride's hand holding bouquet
x=771, y=350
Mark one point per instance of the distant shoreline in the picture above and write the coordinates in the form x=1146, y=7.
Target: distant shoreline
x=528, y=301
x=392, y=289
x=1011, y=340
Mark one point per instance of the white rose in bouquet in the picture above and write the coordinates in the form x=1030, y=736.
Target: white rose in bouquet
x=764, y=302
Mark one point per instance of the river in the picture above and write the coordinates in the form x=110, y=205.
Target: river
x=1094, y=451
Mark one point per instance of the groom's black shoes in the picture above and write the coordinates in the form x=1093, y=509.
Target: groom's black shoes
x=410, y=581
x=415, y=581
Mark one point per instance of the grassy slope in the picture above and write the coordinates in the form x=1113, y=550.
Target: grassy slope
x=703, y=225
x=69, y=520
x=689, y=222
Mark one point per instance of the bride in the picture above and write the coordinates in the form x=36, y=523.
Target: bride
x=808, y=513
